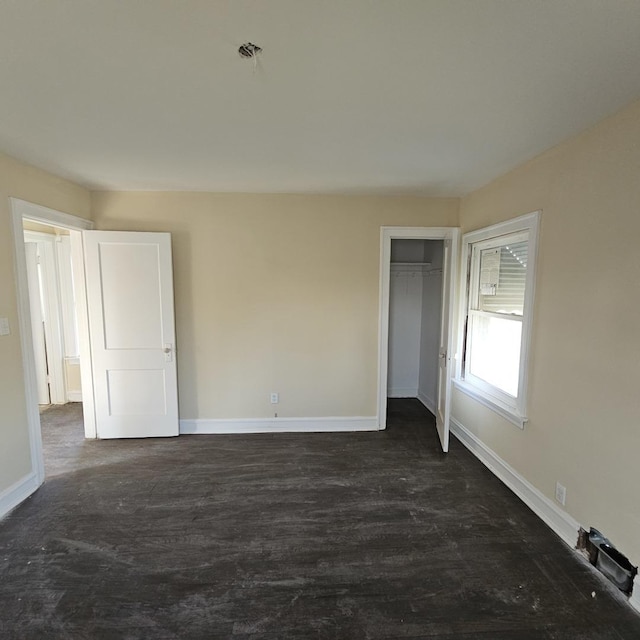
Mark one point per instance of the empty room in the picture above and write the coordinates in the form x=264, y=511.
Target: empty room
x=319, y=319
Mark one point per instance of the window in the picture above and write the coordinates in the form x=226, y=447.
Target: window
x=497, y=314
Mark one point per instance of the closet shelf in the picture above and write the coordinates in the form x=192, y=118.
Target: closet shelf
x=414, y=269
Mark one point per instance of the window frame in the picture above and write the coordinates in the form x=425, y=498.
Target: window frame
x=512, y=408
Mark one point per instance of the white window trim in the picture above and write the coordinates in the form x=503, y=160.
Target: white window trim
x=516, y=411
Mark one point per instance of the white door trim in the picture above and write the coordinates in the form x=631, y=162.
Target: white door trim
x=403, y=233
x=21, y=210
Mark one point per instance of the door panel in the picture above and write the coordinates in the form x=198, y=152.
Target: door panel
x=131, y=280
x=137, y=393
x=443, y=403
x=132, y=333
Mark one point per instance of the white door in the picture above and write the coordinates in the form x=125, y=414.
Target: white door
x=129, y=282
x=443, y=402
x=37, y=326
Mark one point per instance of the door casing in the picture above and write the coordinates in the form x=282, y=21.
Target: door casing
x=21, y=210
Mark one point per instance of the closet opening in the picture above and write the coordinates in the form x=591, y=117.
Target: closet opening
x=416, y=328
x=415, y=312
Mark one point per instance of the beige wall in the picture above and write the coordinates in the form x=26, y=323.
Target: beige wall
x=21, y=181
x=28, y=225
x=274, y=293
x=584, y=403
x=72, y=378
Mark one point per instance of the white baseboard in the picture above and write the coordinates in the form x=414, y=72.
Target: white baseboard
x=634, y=600
x=12, y=496
x=74, y=396
x=402, y=392
x=559, y=521
x=427, y=402
x=278, y=425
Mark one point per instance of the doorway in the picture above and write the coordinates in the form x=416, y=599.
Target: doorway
x=70, y=378
x=54, y=330
x=415, y=260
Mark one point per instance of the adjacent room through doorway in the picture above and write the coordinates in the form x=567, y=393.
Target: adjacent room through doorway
x=56, y=347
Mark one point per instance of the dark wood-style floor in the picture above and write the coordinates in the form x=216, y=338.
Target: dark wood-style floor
x=347, y=535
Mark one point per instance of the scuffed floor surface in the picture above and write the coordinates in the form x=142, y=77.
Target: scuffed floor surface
x=347, y=535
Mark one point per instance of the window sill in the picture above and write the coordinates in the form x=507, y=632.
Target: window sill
x=506, y=412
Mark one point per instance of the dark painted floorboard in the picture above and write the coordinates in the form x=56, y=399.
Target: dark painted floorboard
x=348, y=535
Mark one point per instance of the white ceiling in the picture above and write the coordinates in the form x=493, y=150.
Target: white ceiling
x=431, y=97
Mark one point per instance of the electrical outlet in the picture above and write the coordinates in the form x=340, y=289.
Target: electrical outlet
x=275, y=398
x=4, y=327
x=561, y=494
